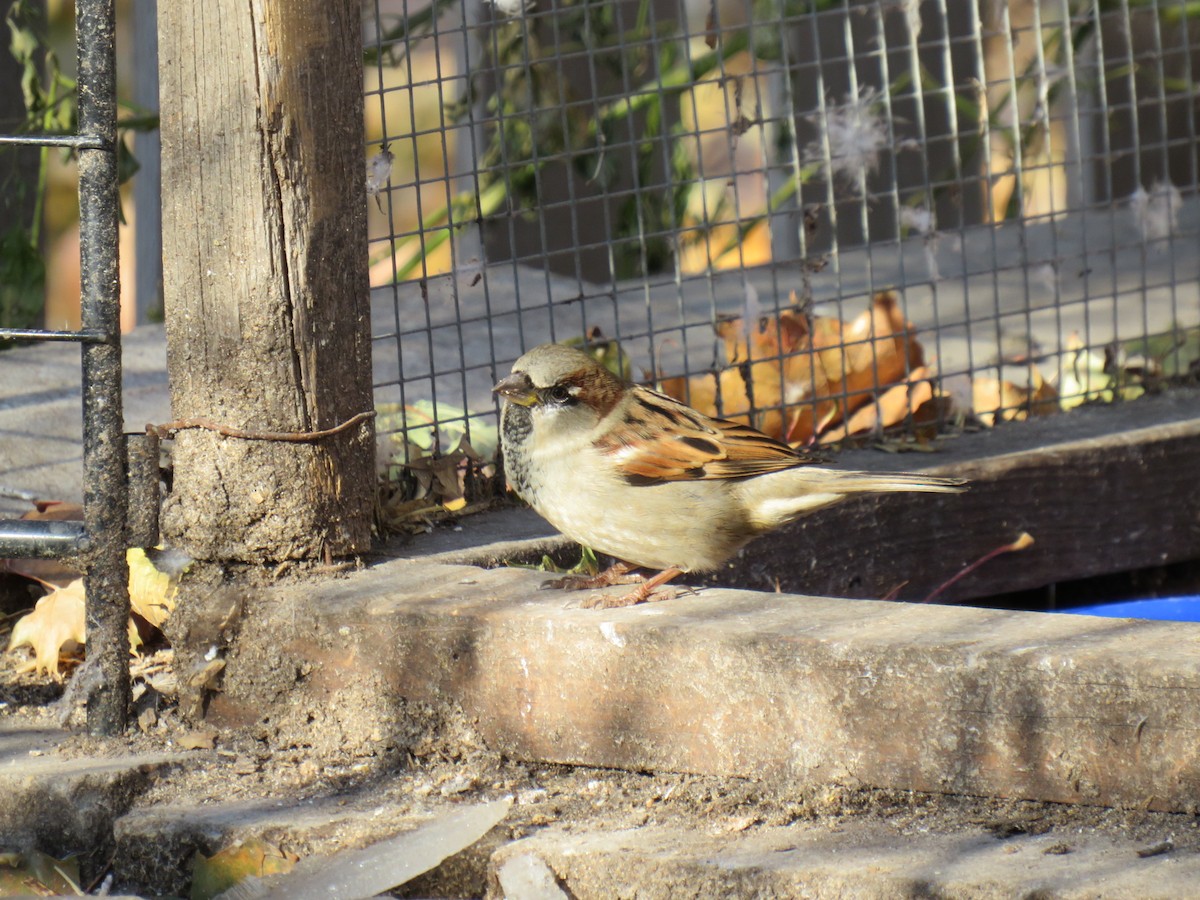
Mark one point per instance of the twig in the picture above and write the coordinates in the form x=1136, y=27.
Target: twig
x=1020, y=543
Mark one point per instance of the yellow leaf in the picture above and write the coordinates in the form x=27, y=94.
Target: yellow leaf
x=215, y=874
x=151, y=592
x=56, y=624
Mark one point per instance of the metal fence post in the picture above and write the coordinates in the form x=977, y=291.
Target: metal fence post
x=104, y=456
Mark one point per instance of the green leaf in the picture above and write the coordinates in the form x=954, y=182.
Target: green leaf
x=587, y=565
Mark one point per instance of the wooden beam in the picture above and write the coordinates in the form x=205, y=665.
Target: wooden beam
x=1101, y=490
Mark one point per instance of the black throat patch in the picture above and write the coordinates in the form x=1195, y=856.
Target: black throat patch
x=515, y=425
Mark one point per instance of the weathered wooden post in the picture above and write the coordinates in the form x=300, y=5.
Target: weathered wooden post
x=265, y=278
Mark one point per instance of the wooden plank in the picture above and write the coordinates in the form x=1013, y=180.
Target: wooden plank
x=1100, y=490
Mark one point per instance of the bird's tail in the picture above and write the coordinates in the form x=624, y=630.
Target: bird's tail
x=793, y=493
x=885, y=482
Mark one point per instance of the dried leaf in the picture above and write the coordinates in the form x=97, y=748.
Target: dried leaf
x=878, y=349
x=442, y=477
x=55, y=626
x=911, y=401
x=803, y=375
x=49, y=572
x=992, y=398
x=151, y=592
x=407, y=516
x=772, y=371
x=881, y=348
x=383, y=865
x=33, y=873
x=55, y=510
x=254, y=858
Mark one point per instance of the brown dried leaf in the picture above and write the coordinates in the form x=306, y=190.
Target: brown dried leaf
x=784, y=373
x=880, y=349
x=54, y=510
x=442, y=477
x=803, y=375
x=49, y=572
x=992, y=397
x=912, y=401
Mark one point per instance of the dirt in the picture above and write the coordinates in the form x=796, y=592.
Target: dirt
x=379, y=765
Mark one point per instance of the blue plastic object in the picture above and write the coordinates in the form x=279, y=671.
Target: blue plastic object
x=1166, y=609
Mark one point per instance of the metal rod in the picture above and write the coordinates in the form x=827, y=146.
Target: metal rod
x=42, y=538
x=104, y=457
x=36, y=334
x=78, y=141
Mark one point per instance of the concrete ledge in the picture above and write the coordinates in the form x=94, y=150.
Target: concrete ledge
x=860, y=859
x=799, y=689
x=156, y=845
x=61, y=804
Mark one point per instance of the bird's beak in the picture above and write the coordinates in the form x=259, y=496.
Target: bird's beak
x=517, y=388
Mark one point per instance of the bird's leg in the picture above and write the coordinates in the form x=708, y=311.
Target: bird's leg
x=640, y=594
x=617, y=573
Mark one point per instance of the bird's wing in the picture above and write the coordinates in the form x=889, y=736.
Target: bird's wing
x=655, y=438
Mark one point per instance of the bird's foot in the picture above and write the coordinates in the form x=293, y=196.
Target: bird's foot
x=646, y=592
x=618, y=573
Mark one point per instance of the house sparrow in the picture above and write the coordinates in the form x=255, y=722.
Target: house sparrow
x=639, y=476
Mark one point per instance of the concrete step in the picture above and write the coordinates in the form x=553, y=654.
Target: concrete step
x=785, y=688
x=866, y=860
x=63, y=804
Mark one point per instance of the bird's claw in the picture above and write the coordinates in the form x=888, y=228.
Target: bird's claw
x=634, y=597
x=615, y=574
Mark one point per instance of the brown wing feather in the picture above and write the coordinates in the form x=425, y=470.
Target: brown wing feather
x=658, y=439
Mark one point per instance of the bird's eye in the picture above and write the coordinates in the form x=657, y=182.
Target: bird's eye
x=558, y=394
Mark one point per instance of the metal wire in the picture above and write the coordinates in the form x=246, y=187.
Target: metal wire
x=1022, y=175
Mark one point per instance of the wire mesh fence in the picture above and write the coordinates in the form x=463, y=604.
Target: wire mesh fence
x=832, y=220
